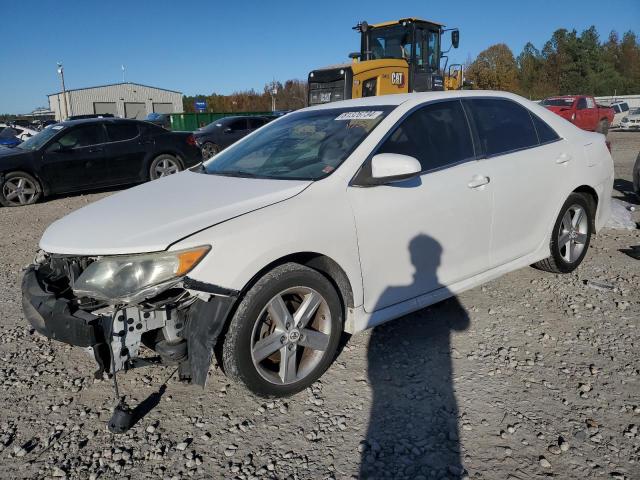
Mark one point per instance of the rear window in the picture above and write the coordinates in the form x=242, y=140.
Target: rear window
x=503, y=126
x=121, y=131
x=558, y=102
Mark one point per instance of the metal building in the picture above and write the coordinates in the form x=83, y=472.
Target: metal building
x=126, y=100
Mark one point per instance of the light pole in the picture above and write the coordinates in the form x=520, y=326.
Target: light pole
x=64, y=91
x=274, y=92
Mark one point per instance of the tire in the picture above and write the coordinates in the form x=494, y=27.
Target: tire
x=570, y=236
x=209, y=149
x=163, y=166
x=260, y=332
x=19, y=189
x=603, y=126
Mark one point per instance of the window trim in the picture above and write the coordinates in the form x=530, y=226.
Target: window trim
x=364, y=179
x=484, y=155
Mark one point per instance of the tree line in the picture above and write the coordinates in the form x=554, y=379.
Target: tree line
x=567, y=64
x=290, y=95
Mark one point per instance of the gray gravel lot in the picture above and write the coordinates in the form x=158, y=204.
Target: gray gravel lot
x=533, y=375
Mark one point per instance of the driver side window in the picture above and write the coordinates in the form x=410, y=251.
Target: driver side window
x=83, y=136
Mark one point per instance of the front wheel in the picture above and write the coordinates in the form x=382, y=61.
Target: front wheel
x=570, y=237
x=19, y=189
x=209, y=150
x=164, y=165
x=284, y=333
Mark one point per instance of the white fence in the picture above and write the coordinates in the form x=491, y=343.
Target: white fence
x=632, y=100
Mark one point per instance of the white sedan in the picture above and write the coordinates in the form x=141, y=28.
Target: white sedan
x=333, y=218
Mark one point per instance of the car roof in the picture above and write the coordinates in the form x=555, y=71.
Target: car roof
x=81, y=121
x=414, y=98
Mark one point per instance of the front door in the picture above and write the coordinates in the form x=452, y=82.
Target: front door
x=419, y=235
x=76, y=160
x=234, y=131
x=426, y=60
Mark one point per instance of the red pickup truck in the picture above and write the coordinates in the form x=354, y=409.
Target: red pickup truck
x=582, y=111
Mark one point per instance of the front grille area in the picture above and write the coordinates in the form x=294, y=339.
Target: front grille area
x=326, y=92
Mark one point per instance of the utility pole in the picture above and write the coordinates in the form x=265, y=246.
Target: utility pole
x=274, y=92
x=64, y=92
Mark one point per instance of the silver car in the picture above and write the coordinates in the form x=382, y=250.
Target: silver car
x=631, y=121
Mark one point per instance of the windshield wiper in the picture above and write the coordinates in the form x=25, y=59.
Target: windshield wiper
x=236, y=173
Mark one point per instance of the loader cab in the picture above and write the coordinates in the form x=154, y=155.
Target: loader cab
x=413, y=40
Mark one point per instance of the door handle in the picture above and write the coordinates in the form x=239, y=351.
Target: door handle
x=96, y=149
x=478, y=181
x=563, y=158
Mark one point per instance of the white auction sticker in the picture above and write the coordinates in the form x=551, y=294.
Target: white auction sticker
x=363, y=115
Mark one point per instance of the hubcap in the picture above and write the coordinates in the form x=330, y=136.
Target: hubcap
x=19, y=191
x=165, y=167
x=291, y=335
x=573, y=232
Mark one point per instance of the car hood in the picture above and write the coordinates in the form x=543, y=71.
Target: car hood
x=152, y=216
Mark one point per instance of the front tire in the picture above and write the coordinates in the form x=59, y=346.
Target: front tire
x=209, y=150
x=19, y=189
x=570, y=237
x=163, y=166
x=284, y=333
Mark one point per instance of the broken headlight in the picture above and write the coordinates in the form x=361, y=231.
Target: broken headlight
x=131, y=278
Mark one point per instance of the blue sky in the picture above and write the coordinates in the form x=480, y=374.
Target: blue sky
x=207, y=46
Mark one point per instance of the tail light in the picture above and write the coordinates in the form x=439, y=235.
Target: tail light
x=191, y=140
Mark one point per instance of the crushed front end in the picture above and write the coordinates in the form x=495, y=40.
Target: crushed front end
x=177, y=320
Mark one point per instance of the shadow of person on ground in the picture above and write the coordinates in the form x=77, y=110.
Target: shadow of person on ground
x=413, y=426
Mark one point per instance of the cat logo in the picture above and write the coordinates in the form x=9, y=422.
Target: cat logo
x=397, y=78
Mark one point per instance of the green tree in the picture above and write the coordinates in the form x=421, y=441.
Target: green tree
x=494, y=69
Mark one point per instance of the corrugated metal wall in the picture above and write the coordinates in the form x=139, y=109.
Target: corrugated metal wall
x=82, y=102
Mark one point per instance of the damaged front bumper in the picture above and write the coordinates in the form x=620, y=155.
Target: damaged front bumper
x=181, y=325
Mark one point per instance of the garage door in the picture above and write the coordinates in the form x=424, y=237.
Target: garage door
x=104, y=107
x=135, y=110
x=163, y=107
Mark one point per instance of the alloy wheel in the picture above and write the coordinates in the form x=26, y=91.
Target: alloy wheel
x=209, y=150
x=165, y=167
x=291, y=335
x=19, y=191
x=573, y=233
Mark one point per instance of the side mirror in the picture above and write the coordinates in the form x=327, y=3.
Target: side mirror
x=354, y=55
x=455, y=38
x=394, y=167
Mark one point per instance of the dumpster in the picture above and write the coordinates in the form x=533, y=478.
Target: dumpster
x=192, y=121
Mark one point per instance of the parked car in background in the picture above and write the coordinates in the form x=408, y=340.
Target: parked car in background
x=582, y=111
x=333, y=218
x=23, y=133
x=161, y=119
x=84, y=154
x=9, y=137
x=620, y=110
x=632, y=120
x=218, y=135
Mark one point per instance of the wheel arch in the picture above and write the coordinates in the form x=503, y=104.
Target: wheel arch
x=592, y=196
x=44, y=186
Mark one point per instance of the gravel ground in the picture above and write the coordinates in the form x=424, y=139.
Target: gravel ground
x=533, y=375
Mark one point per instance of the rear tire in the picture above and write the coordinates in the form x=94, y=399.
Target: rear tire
x=570, y=236
x=603, y=126
x=163, y=166
x=275, y=352
x=19, y=189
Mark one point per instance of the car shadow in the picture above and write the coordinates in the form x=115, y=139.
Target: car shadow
x=625, y=188
x=413, y=425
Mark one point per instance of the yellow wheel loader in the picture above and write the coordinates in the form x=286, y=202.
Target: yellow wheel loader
x=395, y=57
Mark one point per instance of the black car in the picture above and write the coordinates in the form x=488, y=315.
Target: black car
x=226, y=131
x=87, y=154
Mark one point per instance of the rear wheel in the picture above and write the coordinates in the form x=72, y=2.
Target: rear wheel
x=570, y=237
x=164, y=165
x=285, y=332
x=19, y=189
x=603, y=126
x=209, y=150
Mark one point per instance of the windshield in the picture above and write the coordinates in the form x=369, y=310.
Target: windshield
x=558, y=102
x=389, y=42
x=303, y=146
x=38, y=140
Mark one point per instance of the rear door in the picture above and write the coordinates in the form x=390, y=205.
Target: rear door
x=125, y=151
x=527, y=162
x=76, y=159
